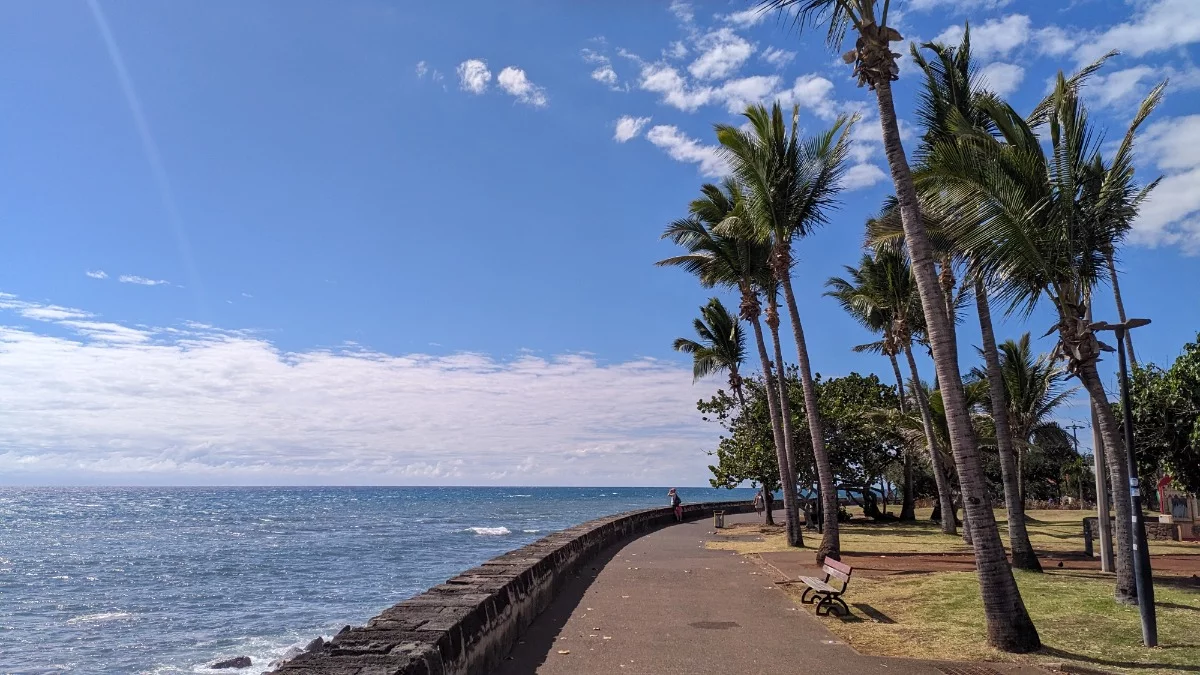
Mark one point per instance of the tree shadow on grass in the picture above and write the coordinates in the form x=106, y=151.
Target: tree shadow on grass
x=1132, y=665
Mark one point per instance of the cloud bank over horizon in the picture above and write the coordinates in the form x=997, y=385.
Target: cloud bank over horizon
x=90, y=401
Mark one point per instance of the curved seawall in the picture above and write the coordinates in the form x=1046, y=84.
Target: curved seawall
x=470, y=623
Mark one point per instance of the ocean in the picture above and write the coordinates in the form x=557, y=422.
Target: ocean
x=169, y=580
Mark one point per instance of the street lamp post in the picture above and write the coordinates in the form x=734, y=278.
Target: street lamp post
x=1075, y=427
x=1141, y=552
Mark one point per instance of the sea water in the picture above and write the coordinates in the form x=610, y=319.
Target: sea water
x=169, y=580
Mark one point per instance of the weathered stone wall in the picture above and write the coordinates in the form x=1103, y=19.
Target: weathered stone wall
x=1155, y=531
x=470, y=623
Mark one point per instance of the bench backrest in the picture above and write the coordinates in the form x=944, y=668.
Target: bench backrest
x=837, y=569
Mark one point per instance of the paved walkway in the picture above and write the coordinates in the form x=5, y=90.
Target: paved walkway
x=664, y=604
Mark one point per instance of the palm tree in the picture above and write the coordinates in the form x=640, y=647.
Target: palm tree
x=1009, y=626
x=790, y=184
x=722, y=346
x=1043, y=232
x=1035, y=387
x=881, y=290
x=950, y=100
x=742, y=264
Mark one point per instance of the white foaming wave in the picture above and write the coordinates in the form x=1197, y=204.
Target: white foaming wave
x=520, y=495
x=489, y=531
x=531, y=531
x=265, y=655
x=102, y=616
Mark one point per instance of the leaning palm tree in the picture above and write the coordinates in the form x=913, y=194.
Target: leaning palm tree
x=790, y=184
x=720, y=260
x=1042, y=233
x=721, y=348
x=1008, y=623
x=950, y=100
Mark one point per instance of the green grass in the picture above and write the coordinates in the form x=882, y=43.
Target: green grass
x=1050, y=530
x=940, y=615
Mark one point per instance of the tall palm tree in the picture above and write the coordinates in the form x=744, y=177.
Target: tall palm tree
x=881, y=290
x=790, y=184
x=950, y=100
x=742, y=264
x=1008, y=623
x=721, y=348
x=1042, y=233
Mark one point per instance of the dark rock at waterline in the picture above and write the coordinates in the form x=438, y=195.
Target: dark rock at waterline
x=235, y=662
x=315, y=645
x=346, y=629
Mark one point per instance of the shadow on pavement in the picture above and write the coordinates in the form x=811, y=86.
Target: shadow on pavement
x=538, y=641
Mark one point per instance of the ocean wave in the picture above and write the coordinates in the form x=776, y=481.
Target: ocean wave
x=520, y=495
x=531, y=531
x=97, y=618
x=491, y=531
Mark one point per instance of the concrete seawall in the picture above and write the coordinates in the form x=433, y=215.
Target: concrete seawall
x=470, y=623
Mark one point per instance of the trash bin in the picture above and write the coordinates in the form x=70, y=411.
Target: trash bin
x=718, y=519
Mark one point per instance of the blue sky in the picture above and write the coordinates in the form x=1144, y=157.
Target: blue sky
x=376, y=242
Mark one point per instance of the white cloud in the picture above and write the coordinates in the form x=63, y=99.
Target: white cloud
x=722, y=53
x=1120, y=86
x=746, y=17
x=97, y=274
x=994, y=37
x=1002, y=79
x=1053, y=41
x=742, y=92
x=665, y=80
x=676, y=50
x=514, y=81
x=1158, y=25
x=682, y=11
x=682, y=148
x=473, y=76
x=777, y=57
x=812, y=92
x=246, y=295
x=605, y=75
x=141, y=281
x=628, y=127
x=861, y=176
x=421, y=69
x=106, y=403
x=1171, y=216
x=593, y=56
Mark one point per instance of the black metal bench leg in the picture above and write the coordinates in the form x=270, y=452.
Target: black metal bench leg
x=804, y=597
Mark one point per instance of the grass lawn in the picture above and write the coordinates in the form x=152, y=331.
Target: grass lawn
x=940, y=615
x=1049, y=530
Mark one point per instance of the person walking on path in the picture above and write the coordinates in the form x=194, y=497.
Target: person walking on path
x=760, y=502
x=677, y=504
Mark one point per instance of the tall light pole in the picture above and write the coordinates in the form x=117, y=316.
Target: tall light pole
x=1099, y=464
x=1141, y=553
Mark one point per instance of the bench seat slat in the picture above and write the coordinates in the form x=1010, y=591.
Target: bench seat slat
x=818, y=585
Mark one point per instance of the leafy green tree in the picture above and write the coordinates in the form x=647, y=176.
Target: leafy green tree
x=744, y=452
x=1166, y=418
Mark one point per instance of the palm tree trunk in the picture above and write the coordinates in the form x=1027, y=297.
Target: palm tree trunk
x=1021, y=476
x=1112, y=271
x=945, y=496
x=1023, y=556
x=795, y=532
x=1009, y=626
x=768, y=505
x=789, y=496
x=908, y=510
x=830, y=541
x=1114, y=446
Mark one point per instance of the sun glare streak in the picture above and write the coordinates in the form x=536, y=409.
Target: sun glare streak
x=153, y=157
